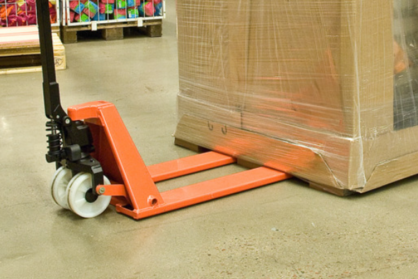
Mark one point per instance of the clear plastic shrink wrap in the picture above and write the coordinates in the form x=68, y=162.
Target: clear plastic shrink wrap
x=323, y=89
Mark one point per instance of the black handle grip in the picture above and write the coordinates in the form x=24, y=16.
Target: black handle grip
x=53, y=109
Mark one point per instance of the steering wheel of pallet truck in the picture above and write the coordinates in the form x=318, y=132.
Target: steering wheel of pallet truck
x=70, y=193
x=59, y=186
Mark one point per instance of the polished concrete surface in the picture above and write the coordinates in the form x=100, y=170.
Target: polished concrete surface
x=285, y=230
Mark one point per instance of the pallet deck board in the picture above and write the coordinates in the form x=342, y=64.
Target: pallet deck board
x=111, y=31
x=112, y=25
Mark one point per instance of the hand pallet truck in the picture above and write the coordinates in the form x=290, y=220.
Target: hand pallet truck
x=91, y=141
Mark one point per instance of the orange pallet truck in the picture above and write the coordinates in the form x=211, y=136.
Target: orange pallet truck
x=98, y=164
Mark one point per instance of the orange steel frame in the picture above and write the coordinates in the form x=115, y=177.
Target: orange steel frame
x=133, y=188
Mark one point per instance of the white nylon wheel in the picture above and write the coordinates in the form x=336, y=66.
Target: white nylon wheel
x=59, y=186
x=76, y=196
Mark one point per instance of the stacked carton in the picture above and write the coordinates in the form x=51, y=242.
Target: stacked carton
x=322, y=89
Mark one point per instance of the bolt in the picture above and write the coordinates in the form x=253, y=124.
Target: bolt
x=67, y=121
x=102, y=190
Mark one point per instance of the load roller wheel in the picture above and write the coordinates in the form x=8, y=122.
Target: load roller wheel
x=78, y=192
x=59, y=186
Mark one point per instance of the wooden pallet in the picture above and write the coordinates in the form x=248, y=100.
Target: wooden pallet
x=111, y=31
x=250, y=165
x=56, y=30
x=20, y=51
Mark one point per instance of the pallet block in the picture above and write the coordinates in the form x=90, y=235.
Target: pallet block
x=154, y=31
x=190, y=146
x=68, y=36
x=112, y=34
x=56, y=30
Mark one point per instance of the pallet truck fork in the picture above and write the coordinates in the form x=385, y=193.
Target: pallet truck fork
x=91, y=141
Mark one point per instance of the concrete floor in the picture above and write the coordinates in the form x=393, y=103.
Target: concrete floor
x=285, y=230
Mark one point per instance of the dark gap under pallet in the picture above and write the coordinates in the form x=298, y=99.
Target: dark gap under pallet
x=247, y=164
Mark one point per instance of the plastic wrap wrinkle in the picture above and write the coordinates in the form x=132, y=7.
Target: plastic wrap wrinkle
x=337, y=78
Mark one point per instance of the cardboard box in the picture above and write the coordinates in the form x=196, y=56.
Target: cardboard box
x=316, y=75
x=212, y=50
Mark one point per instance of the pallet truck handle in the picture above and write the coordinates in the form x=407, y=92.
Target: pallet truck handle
x=68, y=140
x=53, y=108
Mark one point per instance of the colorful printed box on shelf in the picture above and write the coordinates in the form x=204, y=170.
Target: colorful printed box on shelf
x=120, y=14
x=23, y=13
x=101, y=10
x=133, y=13
x=105, y=8
x=90, y=9
x=146, y=9
x=120, y=4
